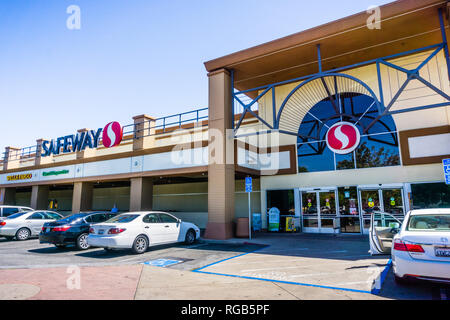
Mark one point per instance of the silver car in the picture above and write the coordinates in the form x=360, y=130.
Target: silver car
x=23, y=225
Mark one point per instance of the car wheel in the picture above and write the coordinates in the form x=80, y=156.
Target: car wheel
x=140, y=245
x=82, y=243
x=190, y=237
x=23, y=234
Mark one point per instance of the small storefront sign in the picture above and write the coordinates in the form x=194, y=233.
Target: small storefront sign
x=18, y=177
x=54, y=173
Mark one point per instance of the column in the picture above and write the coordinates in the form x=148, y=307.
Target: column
x=144, y=127
x=7, y=196
x=141, y=194
x=39, y=197
x=221, y=185
x=38, y=160
x=82, y=196
x=12, y=158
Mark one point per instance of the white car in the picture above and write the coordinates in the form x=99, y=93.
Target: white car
x=139, y=230
x=25, y=224
x=6, y=211
x=420, y=245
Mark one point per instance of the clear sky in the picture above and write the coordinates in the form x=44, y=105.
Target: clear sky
x=130, y=57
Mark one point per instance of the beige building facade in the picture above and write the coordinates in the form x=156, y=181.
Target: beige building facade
x=281, y=113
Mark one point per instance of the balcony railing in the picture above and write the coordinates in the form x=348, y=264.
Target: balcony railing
x=186, y=120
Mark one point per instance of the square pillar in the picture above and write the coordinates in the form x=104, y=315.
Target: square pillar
x=144, y=135
x=12, y=158
x=7, y=196
x=38, y=160
x=82, y=196
x=39, y=197
x=141, y=194
x=221, y=173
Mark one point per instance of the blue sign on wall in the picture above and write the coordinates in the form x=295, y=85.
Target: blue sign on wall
x=71, y=143
x=248, y=184
x=446, y=163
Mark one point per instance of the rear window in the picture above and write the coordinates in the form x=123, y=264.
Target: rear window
x=438, y=222
x=73, y=218
x=123, y=218
x=9, y=211
x=16, y=215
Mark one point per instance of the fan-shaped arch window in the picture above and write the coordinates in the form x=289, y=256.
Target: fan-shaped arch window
x=378, y=147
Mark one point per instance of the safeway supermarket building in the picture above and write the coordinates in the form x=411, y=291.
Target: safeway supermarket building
x=391, y=83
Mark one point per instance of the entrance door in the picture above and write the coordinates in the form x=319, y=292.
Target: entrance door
x=319, y=211
x=388, y=200
x=383, y=228
x=310, y=212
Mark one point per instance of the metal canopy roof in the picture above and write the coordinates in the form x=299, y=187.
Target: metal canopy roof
x=406, y=25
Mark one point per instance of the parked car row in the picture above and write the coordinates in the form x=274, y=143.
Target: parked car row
x=133, y=230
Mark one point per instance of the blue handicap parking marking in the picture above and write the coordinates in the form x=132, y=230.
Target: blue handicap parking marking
x=162, y=262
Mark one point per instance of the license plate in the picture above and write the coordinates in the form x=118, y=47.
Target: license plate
x=101, y=231
x=442, y=252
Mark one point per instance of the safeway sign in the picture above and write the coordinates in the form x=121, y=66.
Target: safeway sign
x=446, y=163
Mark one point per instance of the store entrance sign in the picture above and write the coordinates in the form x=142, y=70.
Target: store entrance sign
x=446, y=163
x=71, y=143
x=343, y=138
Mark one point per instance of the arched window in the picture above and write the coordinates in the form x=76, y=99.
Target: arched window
x=377, y=148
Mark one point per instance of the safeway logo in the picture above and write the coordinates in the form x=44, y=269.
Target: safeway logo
x=112, y=134
x=343, y=137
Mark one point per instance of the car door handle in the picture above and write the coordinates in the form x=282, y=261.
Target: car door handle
x=166, y=226
x=147, y=227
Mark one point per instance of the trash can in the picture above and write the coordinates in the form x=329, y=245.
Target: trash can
x=242, y=228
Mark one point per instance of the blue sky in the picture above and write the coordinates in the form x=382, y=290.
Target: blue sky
x=130, y=56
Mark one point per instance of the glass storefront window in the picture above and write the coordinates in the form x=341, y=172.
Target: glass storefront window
x=378, y=147
x=372, y=154
x=430, y=195
x=283, y=200
x=315, y=157
x=349, y=210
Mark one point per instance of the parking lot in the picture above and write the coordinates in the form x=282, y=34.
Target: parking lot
x=271, y=267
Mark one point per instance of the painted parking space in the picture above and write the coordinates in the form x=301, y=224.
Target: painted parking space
x=348, y=268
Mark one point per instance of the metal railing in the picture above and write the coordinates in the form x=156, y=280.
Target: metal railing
x=167, y=124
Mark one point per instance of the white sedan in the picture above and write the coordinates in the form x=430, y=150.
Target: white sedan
x=25, y=224
x=139, y=230
x=420, y=245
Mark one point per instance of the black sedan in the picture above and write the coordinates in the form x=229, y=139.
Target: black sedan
x=72, y=230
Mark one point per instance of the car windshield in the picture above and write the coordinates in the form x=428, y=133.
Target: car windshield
x=73, y=218
x=123, y=218
x=16, y=215
x=435, y=222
